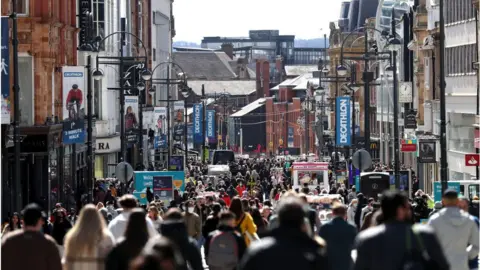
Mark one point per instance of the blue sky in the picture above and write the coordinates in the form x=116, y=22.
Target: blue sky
x=195, y=19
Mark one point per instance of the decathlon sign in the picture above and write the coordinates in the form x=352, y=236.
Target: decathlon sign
x=342, y=121
x=197, y=122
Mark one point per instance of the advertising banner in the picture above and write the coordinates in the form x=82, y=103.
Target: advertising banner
x=131, y=118
x=163, y=187
x=197, y=122
x=437, y=189
x=477, y=138
x=427, y=152
x=291, y=136
x=73, y=86
x=142, y=180
x=178, y=110
x=5, y=69
x=190, y=135
x=160, y=118
x=211, y=125
x=342, y=121
x=176, y=163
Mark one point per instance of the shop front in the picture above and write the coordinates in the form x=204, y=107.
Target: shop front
x=106, y=154
x=41, y=170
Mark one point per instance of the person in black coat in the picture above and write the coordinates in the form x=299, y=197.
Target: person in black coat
x=173, y=228
x=288, y=246
x=211, y=223
x=362, y=202
x=388, y=242
x=340, y=236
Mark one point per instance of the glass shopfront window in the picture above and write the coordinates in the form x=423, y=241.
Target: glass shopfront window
x=461, y=132
x=99, y=167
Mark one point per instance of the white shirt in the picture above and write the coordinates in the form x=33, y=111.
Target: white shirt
x=119, y=224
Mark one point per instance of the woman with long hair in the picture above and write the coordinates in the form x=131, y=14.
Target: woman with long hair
x=260, y=222
x=131, y=244
x=154, y=216
x=244, y=221
x=161, y=255
x=13, y=224
x=88, y=242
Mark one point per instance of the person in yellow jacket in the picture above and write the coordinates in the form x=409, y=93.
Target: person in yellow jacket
x=244, y=221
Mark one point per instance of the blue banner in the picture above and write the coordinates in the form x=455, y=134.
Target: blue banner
x=142, y=180
x=211, y=125
x=5, y=70
x=197, y=123
x=342, y=121
x=160, y=141
x=189, y=133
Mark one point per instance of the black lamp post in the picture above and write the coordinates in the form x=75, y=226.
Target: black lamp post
x=443, y=104
x=17, y=184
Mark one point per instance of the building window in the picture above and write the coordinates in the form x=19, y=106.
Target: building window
x=99, y=18
x=459, y=60
x=22, y=7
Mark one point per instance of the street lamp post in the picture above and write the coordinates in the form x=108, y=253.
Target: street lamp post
x=443, y=117
x=17, y=184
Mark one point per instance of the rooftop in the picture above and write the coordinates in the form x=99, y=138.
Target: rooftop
x=205, y=65
x=249, y=108
x=234, y=87
x=298, y=70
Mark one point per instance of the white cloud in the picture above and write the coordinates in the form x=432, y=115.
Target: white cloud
x=195, y=19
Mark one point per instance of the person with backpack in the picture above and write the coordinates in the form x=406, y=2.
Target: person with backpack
x=244, y=223
x=224, y=247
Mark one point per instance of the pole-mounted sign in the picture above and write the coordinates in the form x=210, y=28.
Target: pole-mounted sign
x=342, y=121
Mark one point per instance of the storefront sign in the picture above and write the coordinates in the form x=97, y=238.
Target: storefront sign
x=342, y=121
x=472, y=160
x=197, y=122
x=73, y=104
x=34, y=144
x=427, y=152
x=5, y=70
x=107, y=145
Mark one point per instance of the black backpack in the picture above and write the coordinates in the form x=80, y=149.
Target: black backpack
x=416, y=259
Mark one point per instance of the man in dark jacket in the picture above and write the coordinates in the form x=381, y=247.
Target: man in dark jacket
x=288, y=246
x=362, y=202
x=173, y=228
x=340, y=236
x=387, y=243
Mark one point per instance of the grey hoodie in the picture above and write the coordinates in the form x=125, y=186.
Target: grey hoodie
x=456, y=230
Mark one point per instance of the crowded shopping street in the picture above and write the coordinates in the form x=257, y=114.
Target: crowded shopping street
x=178, y=135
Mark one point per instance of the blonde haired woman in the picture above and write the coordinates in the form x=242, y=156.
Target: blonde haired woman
x=88, y=242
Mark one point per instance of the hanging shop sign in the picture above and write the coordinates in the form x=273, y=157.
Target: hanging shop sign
x=342, y=121
x=408, y=145
x=411, y=119
x=427, y=152
x=73, y=104
x=291, y=137
x=405, y=93
x=472, y=160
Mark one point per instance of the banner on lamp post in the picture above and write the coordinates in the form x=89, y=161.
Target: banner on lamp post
x=5, y=70
x=73, y=79
x=197, y=123
x=160, y=120
x=211, y=125
x=131, y=119
x=342, y=121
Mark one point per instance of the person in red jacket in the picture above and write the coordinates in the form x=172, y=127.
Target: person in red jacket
x=224, y=196
x=240, y=188
x=74, y=97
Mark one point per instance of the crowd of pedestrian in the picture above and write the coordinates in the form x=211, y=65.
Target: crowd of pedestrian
x=248, y=220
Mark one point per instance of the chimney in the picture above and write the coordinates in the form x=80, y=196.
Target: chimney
x=228, y=49
x=263, y=78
